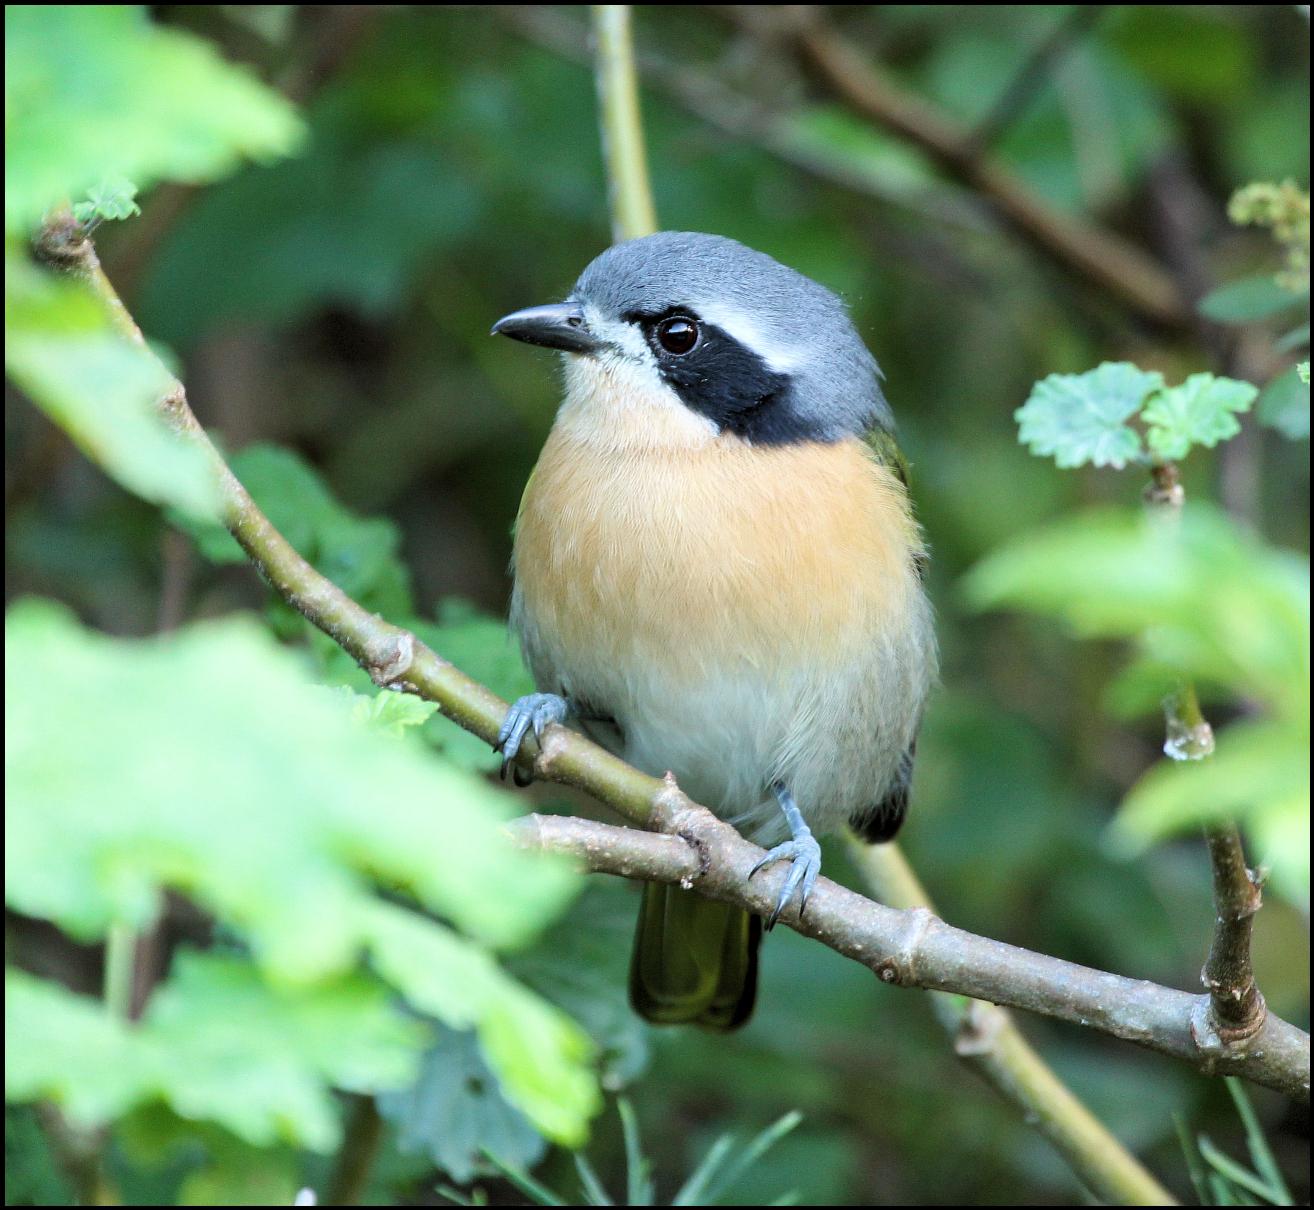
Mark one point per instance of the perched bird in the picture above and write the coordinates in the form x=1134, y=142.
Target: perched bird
x=717, y=573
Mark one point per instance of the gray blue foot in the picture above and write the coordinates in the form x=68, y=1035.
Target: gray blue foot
x=535, y=710
x=801, y=850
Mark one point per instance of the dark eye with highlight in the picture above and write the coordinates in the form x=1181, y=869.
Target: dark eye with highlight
x=677, y=334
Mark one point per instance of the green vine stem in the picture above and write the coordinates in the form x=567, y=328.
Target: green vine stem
x=623, y=147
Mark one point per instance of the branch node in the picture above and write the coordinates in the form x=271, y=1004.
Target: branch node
x=388, y=662
x=901, y=966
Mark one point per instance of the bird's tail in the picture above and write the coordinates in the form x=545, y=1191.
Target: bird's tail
x=695, y=960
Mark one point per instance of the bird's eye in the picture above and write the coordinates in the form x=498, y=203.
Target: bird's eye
x=678, y=334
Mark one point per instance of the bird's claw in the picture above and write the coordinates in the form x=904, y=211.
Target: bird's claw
x=801, y=849
x=804, y=854
x=536, y=710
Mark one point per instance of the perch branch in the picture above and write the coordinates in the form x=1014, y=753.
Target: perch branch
x=914, y=948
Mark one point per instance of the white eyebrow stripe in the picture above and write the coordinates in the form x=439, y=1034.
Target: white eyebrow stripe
x=745, y=329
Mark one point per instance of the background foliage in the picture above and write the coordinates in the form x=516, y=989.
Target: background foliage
x=326, y=283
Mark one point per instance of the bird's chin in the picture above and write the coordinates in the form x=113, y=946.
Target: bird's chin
x=612, y=399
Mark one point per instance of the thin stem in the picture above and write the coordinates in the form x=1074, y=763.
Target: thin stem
x=623, y=148
x=356, y=1156
x=1035, y=70
x=987, y=1038
x=1236, y=1008
x=120, y=970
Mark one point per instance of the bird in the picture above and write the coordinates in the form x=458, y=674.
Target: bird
x=717, y=573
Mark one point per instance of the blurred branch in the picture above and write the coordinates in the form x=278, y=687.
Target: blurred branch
x=736, y=116
x=623, y=148
x=79, y=1154
x=909, y=948
x=987, y=1039
x=1030, y=77
x=360, y=1148
x=1098, y=255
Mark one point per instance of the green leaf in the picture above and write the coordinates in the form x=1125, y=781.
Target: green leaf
x=1284, y=404
x=1202, y=411
x=582, y=966
x=293, y=1044
x=359, y=554
x=1205, y=598
x=98, y=91
x=63, y=351
x=1247, y=300
x=113, y=198
x=455, y=1110
x=1258, y=775
x=1212, y=603
x=1081, y=418
x=392, y=712
x=206, y=761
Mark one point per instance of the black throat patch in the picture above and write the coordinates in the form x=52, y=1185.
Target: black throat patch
x=733, y=387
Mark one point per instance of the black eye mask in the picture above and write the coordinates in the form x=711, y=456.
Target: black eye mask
x=724, y=380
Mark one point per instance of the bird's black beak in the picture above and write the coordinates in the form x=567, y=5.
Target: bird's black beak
x=554, y=326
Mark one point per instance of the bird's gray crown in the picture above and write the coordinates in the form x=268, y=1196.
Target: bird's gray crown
x=794, y=328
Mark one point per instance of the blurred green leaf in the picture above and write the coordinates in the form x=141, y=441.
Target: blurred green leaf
x=455, y=1111
x=1202, y=411
x=104, y=391
x=204, y=762
x=1284, y=404
x=1210, y=602
x=1205, y=598
x=1258, y=776
x=99, y=91
x=111, y=199
x=1247, y=300
x=218, y=1043
x=1081, y=418
x=540, y=1056
x=392, y=712
x=235, y=780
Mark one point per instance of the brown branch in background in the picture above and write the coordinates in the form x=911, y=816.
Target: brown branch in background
x=1098, y=255
x=740, y=118
x=910, y=948
x=80, y=1156
x=1032, y=75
